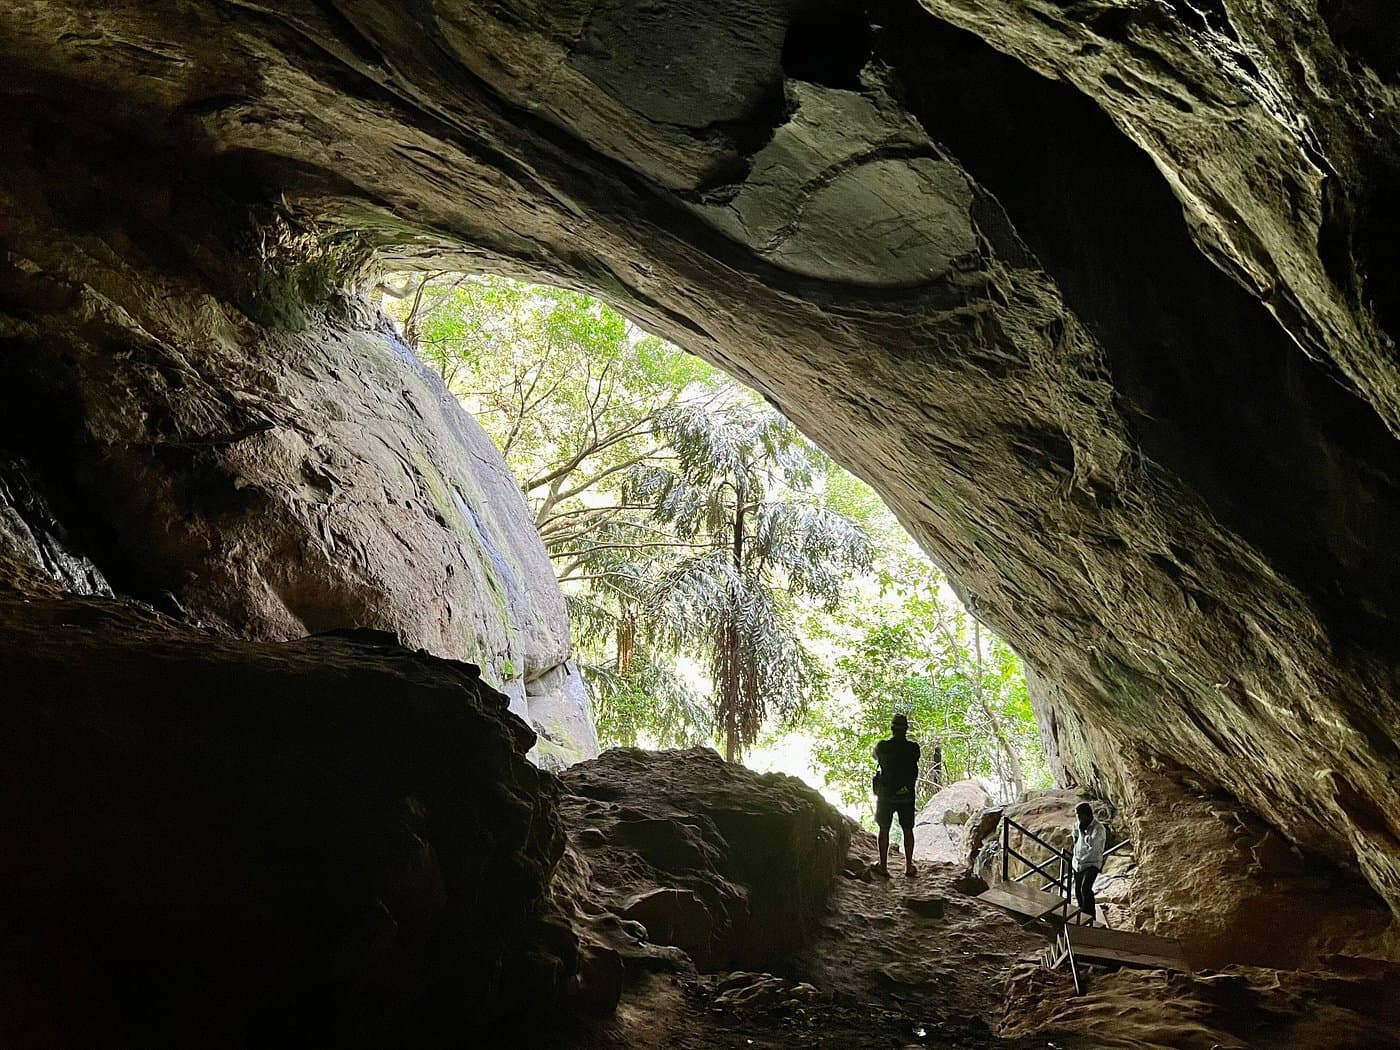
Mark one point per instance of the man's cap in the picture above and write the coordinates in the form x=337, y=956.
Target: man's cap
x=1082, y=807
x=899, y=720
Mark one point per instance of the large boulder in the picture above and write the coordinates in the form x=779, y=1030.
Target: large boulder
x=206, y=842
x=222, y=460
x=731, y=866
x=940, y=830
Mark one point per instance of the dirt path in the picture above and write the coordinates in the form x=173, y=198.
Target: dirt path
x=670, y=1012
x=917, y=944
x=895, y=963
x=905, y=963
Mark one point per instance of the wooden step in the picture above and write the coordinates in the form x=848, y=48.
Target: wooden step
x=1133, y=949
x=1024, y=900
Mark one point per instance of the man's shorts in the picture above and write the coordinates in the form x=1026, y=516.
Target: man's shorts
x=886, y=808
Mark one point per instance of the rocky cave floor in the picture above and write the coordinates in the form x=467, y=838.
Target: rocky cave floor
x=896, y=962
x=419, y=859
x=921, y=962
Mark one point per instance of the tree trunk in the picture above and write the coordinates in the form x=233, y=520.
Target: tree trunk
x=1013, y=760
x=626, y=640
x=729, y=687
x=411, y=321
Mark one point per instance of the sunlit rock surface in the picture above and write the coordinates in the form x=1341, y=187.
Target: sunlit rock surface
x=1102, y=298
x=941, y=827
x=255, y=453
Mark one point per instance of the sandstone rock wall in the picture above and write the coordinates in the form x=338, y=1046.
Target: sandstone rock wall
x=265, y=474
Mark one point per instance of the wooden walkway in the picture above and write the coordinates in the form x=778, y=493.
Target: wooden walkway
x=1024, y=900
x=1134, y=949
x=1073, y=939
x=1074, y=944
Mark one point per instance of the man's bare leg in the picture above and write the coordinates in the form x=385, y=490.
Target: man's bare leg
x=909, y=870
x=883, y=867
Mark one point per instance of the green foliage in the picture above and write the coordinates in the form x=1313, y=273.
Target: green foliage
x=740, y=487
x=681, y=512
x=719, y=570
x=651, y=702
x=909, y=646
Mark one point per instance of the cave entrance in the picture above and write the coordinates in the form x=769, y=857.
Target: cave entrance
x=728, y=583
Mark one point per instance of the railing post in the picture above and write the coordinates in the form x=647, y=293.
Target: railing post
x=1060, y=882
x=1005, y=848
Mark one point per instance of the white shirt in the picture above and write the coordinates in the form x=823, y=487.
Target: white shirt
x=1089, y=845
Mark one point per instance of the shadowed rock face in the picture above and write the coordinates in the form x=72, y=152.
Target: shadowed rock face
x=246, y=447
x=219, y=843
x=730, y=866
x=1116, y=345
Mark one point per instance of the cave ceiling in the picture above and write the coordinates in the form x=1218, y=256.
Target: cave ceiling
x=1099, y=295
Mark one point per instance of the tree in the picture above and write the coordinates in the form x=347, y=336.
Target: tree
x=741, y=489
x=697, y=535
x=680, y=512
x=909, y=645
x=647, y=699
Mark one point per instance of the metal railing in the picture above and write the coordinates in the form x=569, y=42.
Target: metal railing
x=1057, y=860
x=1057, y=869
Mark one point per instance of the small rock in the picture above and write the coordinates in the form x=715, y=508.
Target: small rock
x=738, y=979
x=925, y=907
x=970, y=885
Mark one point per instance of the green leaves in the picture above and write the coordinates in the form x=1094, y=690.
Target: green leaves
x=649, y=701
x=912, y=647
x=719, y=570
x=684, y=515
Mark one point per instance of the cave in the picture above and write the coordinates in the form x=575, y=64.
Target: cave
x=1100, y=297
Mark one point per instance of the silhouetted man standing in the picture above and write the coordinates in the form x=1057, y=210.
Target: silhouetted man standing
x=1089, y=839
x=898, y=758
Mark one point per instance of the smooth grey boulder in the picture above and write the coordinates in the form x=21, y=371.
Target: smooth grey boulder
x=941, y=827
